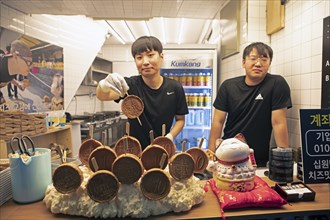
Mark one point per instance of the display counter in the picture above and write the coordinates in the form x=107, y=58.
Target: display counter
x=208, y=209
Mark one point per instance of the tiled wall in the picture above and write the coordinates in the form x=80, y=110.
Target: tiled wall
x=80, y=37
x=297, y=52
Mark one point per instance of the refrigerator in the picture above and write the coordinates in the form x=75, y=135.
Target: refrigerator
x=196, y=70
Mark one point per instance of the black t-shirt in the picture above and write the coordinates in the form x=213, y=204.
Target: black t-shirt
x=160, y=107
x=4, y=73
x=249, y=110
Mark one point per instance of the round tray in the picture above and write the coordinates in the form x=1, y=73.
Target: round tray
x=104, y=157
x=200, y=158
x=155, y=184
x=152, y=155
x=133, y=146
x=67, y=178
x=86, y=149
x=182, y=166
x=127, y=168
x=102, y=186
x=166, y=143
x=132, y=106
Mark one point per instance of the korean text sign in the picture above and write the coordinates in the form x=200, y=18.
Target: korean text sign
x=315, y=139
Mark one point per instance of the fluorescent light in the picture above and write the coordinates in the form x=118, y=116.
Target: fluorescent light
x=146, y=28
x=205, y=30
x=216, y=40
x=130, y=33
x=181, y=31
x=114, y=33
x=163, y=28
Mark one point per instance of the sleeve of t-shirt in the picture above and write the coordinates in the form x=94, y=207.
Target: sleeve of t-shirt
x=220, y=101
x=281, y=94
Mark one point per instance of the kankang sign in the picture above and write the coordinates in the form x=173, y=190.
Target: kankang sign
x=315, y=139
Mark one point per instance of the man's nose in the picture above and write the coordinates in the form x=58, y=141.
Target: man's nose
x=145, y=60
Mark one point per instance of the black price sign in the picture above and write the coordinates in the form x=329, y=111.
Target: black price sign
x=325, y=96
x=315, y=139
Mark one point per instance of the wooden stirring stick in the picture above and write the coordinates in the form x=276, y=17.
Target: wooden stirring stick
x=95, y=165
x=163, y=129
x=201, y=143
x=127, y=128
x=162, y=161
x=151, y=136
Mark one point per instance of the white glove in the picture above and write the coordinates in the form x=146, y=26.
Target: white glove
x=115, y=82
x=169, y=136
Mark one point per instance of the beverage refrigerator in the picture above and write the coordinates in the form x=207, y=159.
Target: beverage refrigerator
x=196, y=70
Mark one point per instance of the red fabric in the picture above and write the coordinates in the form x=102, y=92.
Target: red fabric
x=261, y=196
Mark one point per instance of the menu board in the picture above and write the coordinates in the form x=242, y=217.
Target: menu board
x=315, y=139
x=325, y=100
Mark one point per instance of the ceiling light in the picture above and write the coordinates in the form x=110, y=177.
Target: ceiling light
x=205, y=30
x=146, y=28
x=130, y=33
x=114, y=33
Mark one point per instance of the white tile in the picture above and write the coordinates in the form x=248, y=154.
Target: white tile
x=316, y=46
x=319, y=11
x=305, y=97
x=307, y=65
x=317, y=29
x=316, y=97
x=295, y=96
x=253, y=11
x=296, y=67
x=316, y=80
x=306, y=33
x=305, y=81
x=316, y=63
x=296, y=82
x=306, y=49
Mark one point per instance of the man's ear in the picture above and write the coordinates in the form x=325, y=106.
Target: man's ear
x=161, y=55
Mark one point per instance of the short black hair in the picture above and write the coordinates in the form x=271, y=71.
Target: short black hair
x=262, y=48
x=146, y=43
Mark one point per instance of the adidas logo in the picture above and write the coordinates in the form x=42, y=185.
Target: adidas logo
x=259, y=97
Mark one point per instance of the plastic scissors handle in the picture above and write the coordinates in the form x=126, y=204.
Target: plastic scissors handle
x=18, y=143
x=25, y=146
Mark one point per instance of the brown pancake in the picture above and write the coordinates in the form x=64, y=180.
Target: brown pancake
x=102, y=186
x=67, y=178
x=200, y=158
x=155, y=184
x=104, y=157
x=133, y=146
x=182, y=166
x=127, y=168
x=166, y=143
x=86, y=149
x=152, y=155
x=132, y=106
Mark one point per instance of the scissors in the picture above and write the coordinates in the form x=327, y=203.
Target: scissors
x=22, y=146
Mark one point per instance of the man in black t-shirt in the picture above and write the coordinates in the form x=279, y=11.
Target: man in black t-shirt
x=164, y=99
x=255, y=105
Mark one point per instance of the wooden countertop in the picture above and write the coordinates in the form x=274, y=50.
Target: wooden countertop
x=208, y=209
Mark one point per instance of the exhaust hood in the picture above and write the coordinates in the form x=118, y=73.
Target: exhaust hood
x=99, y=69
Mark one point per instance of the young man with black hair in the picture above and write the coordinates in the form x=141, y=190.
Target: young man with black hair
x=164, y=99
